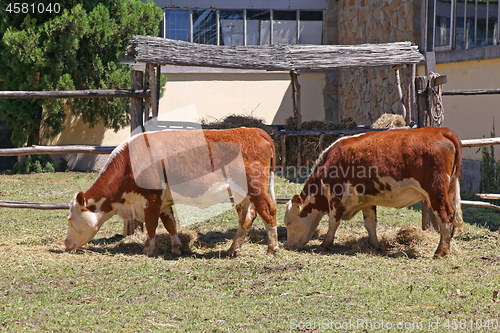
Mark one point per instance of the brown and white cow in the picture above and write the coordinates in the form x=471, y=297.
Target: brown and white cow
x=394, y=168
x=133, y=184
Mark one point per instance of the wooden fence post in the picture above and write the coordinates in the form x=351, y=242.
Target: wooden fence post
x=428, y=219
x=136, y=78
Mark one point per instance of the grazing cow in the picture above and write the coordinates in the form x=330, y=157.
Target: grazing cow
x=133, y=184
x=394, y=168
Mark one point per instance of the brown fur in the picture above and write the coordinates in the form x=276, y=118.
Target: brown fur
x=258, y=152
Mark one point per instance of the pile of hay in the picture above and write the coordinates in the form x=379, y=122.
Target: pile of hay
x=408, y=241
x=388, y=120
x=235, y=121
x=309, y=144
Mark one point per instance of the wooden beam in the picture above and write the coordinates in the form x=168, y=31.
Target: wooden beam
x=465, y=92
x=480, y=142
x=75, y=149
x=89, y=93
x=400, y=93
x=489, y=196
x=136, y=107
x=147, y=102
x=154, y=94
x=478, y=204
x=33, y=205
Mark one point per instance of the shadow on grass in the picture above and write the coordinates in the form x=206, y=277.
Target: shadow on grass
x=214, y=244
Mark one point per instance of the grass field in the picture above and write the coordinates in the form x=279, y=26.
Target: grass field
x=110, y=286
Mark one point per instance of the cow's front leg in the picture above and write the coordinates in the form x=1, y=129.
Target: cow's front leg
x=333, y=224
x=246, y=215
x=151, y=217
x=370, y=220
x=170, y=224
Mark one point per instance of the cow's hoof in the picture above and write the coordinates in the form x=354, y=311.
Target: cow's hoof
x=272, y=250
x=176, y=252
x=232, y=252
x=325, y=246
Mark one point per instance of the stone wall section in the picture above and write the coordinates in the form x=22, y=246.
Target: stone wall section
x=365, y=94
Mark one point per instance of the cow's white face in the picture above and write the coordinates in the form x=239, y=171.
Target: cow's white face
x=83, y=224
x=299, y=229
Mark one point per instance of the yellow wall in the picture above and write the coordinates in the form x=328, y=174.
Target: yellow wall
x=471, y=117
x=264, y=95
x=267, y=95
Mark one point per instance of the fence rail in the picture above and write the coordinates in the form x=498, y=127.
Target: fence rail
x=109, y=149
x=89, y=93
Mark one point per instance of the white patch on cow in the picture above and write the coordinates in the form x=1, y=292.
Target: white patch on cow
x=303, y=227
x=97, y=204
x=310, y=199
x=132, y=208
x=401, y=194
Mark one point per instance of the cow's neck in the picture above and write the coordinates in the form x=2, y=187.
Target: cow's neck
x=106, y=187
x=313, y=197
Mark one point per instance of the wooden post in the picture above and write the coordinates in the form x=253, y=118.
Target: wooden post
x=422, y=105
x=283, y=155
x=400, y=92
x=147, y=80
x=154, y=94
x=408, y=98
x=428, y=218
x=136, y=103
x=297, y=113
x=129, y=226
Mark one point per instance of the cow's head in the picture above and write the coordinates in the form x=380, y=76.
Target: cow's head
x=300, y=224
x=83, y=223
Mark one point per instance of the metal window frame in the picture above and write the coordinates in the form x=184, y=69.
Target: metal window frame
x=271, y=28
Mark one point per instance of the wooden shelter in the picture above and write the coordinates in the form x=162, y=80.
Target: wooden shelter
x=157, y=51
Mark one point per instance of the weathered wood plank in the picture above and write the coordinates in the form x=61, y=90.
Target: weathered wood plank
x=56, y=150
x=488, y=196
x=480, y=142
x=493, y=91
x=33, y=205
x=89, y=93
x=478, y=204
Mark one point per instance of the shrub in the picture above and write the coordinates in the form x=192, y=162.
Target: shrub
x=34, y=164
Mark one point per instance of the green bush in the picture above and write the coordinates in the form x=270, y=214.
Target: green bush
x=34, y=164
x=490, y=170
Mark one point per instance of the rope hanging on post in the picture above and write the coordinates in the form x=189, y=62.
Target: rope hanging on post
x=436, y=109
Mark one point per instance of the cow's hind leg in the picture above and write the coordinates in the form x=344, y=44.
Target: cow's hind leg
x=170, y=224
x=444, y=213
x=370, y=220
x=267, y=211
x=246, y=216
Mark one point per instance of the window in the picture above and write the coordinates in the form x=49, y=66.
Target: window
x=244, y=26
x=462, y=24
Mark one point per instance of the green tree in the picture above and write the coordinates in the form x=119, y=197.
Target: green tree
x=77, y=48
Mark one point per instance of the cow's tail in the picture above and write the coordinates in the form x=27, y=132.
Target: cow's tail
x=272, y=195
x=457, y=219
x=272, y=166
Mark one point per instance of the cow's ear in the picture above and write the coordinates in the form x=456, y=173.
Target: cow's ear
x=80, y=199
x=297, y=200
